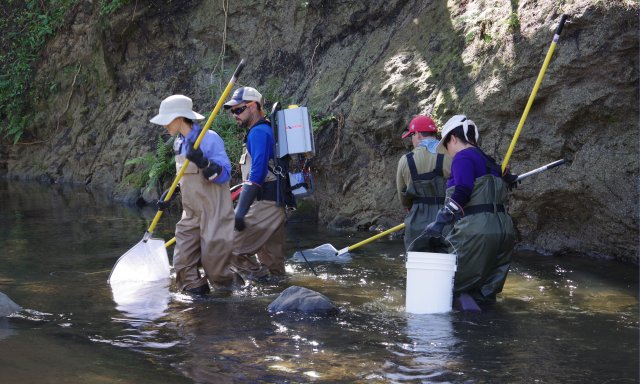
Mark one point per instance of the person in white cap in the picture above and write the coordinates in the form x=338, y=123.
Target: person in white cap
x=421, y=182
x=259, y=220
x=483, y=235
x=204, y=234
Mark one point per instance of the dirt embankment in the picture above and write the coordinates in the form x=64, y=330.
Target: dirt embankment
x=372, y=64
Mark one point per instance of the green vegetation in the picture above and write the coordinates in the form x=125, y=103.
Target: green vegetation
x=156, y=167
x=319, y=121
x=25, y=25
x=107, y=7
x=232, y=135
x=513, y=22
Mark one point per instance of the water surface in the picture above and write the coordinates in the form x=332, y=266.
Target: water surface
x=559, y=320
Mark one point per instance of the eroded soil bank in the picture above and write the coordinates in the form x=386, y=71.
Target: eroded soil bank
x=370, y=65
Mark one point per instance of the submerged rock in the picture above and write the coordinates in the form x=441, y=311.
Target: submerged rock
x=300, y=299
x=7, y=306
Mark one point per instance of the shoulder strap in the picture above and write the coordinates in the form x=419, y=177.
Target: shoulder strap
x=489, y=162
x=437, y=171
x=439, y=161
x=412, y=166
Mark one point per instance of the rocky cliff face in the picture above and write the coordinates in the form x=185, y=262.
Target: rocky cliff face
x=372, y=64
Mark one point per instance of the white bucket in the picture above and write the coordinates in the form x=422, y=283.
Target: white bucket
x=429, y=282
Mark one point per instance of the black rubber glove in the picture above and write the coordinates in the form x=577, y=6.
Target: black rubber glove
x=248, y=195
x=197, y=157
x=162, y=205
x=446, y=215
x=210, y=170
x=511, y=180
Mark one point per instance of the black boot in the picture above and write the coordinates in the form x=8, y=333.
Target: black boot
x=201, y=290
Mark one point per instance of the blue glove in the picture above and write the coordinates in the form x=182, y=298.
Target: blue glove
x=446, y=215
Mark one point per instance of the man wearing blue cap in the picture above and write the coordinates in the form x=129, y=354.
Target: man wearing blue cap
x=259, y=220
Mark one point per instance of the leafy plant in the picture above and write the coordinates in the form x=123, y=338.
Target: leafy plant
x=232, y=135
x=319, y=121
x=513, y=22
x=107, y=7
x=156, y=166
x=25, y=25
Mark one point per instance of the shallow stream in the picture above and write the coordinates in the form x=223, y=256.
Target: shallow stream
x=558, y=320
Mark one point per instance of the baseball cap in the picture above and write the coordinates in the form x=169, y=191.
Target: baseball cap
x=243, y=94
x=420, y=123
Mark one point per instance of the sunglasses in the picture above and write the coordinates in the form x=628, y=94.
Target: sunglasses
x=238, y=111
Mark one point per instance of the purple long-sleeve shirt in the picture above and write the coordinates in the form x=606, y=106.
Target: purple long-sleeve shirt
x=466, y=166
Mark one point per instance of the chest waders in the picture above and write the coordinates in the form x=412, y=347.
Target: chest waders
x=204, y=234
x=268, y=187
x=264, y=234
x=483, y=240
x=427, y=191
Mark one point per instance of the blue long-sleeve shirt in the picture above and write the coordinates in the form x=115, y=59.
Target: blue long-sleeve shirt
x=212, y=147
x=260, y=146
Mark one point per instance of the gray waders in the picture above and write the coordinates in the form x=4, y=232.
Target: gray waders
x=426, y=191
x=483, y=240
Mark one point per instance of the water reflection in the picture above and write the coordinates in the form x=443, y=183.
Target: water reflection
x=558, y=319
x=429, y=355
x=5, y=328
x=142, y=300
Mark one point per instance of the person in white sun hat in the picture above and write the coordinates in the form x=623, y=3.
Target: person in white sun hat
x=204, y=234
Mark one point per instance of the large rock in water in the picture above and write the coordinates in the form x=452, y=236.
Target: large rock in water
x=300, y=299
x=7, y=306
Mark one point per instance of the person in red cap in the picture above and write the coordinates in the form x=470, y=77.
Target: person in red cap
x=421, y=181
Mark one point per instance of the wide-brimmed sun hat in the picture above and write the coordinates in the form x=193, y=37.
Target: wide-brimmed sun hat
x=175, y=106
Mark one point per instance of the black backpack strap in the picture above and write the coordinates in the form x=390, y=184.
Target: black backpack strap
x=412, y=166
x=489, y=162
x=483, y=208
x=439, y=161
x=427, y=175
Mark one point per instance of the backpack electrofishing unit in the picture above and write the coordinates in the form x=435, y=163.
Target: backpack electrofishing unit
x=294, y=149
